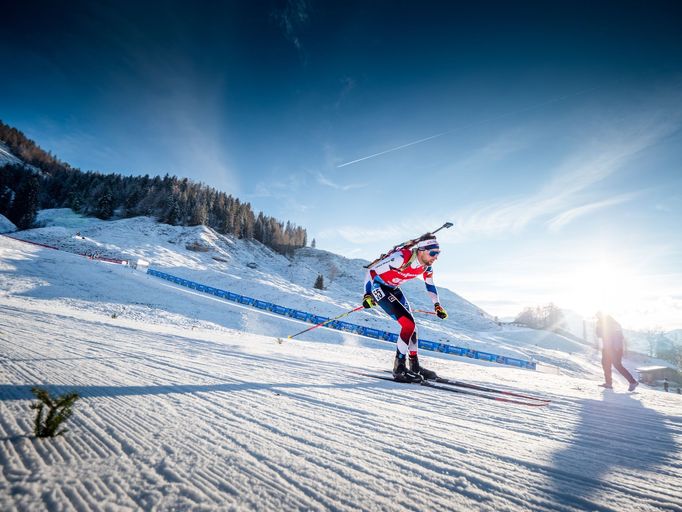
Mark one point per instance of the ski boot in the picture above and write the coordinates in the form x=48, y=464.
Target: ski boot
x=632, y=386
x=400, y=371
x=419, y=370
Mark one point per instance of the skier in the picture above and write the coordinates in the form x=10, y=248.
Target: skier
x=611, y=335
x=382, y=287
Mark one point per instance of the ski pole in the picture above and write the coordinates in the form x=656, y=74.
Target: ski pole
x=424, y=312
x=280, y=340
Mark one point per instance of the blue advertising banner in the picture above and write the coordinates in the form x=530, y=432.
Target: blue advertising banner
x=445, y=348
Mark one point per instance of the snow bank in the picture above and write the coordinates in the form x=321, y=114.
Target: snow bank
x=6, y=225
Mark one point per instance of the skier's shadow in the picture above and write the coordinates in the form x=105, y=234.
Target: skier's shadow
x=613, y=436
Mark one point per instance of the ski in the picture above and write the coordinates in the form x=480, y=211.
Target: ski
x=441, y=380
x=460, y=384
x=429, y=384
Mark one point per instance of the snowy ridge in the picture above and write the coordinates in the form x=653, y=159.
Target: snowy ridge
x=7, y=158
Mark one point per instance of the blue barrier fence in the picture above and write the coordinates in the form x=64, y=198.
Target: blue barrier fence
x=445, y=348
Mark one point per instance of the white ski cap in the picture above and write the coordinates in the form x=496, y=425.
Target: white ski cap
x=430, y=243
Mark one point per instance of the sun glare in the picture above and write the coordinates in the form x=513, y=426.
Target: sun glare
x=604, y=286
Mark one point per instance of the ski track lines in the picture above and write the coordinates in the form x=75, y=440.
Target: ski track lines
x=171, y=422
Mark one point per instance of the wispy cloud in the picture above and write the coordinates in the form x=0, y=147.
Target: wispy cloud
x=323, y=180
x=669, y=204
x=570, y=215
x=291, y=19
x=571, y=191
x=290, y=184
x=348, y=85
x=462, y=128
x=388, y=234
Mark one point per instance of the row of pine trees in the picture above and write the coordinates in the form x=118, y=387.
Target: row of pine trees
x=23, y=191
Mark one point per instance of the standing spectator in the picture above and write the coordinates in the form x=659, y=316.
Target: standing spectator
x=665, y=385
x=611, y=334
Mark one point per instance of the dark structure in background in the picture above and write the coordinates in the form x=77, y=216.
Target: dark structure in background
x=654, y=375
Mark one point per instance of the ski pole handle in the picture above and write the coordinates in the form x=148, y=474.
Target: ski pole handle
x=321, y=324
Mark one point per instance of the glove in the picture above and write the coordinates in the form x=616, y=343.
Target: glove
x=368, y=301
x=440, y=311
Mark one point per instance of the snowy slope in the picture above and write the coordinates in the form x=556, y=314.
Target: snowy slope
x=228, y=262
x=187, y=407
x=6, y=225
x=7, y=158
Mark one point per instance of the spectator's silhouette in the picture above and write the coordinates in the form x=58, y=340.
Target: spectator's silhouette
x=611, y=334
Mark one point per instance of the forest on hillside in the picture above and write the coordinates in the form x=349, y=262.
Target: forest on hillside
x=171, y=200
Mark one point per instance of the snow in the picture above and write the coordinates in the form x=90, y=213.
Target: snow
x=189, y=403
x=7, y=158
x=6, y=225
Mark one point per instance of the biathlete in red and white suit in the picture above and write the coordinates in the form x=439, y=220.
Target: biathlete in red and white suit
x=382, y=287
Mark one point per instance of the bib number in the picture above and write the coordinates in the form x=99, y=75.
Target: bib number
x=378, y=294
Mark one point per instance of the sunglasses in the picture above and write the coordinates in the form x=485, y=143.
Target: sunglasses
x=434, y=253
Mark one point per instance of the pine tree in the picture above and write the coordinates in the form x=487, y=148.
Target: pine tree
x=59, y=410
x=105, y=206
x=25, y=205
x=319, y=282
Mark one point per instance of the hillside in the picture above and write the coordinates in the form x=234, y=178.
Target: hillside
x=248, y=267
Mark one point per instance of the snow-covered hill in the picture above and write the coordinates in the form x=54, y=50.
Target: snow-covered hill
x=189, y=403
x=8, y=158
x=252, y=269
x=6, y=225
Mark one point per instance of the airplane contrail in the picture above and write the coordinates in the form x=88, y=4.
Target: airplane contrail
x=392, y=149
x=402, y=146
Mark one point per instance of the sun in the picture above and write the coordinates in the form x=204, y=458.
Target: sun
x=601, y=285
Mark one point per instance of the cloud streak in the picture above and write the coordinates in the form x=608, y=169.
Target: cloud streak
x=570, y=215
x=393, y=149
x=291, y=19
x=453, y=130
x=323, y=180
x=569, y=194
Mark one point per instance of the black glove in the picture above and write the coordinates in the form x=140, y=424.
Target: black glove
x=440, y=311
x=368, y=301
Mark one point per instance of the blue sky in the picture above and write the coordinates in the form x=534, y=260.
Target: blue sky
x=548, y=132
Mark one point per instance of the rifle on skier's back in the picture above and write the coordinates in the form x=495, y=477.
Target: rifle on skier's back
x=410, y=243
